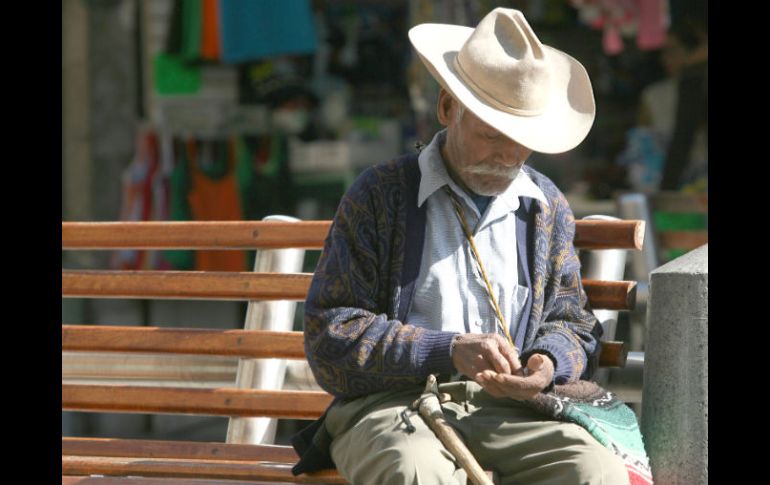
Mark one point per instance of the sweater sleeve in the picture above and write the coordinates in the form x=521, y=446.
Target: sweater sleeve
x=569, y=332
x=352, y=346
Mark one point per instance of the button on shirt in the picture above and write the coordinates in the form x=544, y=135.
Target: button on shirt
x=450, y=293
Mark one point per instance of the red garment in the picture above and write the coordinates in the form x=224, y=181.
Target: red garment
x=210, y=43
x=652, y=31
x=138, y=202
x=215, y=200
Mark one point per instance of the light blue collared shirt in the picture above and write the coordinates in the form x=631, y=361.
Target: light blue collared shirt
x=450, y=293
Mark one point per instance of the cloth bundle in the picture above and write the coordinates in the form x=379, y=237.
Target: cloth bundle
x=603, y=415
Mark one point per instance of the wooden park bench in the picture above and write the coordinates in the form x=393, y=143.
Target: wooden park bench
x=96, y=461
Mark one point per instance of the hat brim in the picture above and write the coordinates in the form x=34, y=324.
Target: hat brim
x=566, y=119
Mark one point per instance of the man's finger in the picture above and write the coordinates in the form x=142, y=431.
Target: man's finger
x=487, y=381
x=525, y=387
x=498, y=362
x=535, y=362
x=510, y=355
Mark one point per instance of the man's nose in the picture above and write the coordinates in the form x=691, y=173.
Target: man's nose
x=512, y=153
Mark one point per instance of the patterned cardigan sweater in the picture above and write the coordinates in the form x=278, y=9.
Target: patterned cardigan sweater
x=356, y=340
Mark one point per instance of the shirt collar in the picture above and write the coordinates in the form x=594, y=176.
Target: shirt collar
x=434, y=176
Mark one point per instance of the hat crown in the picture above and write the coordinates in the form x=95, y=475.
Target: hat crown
x=505, y=64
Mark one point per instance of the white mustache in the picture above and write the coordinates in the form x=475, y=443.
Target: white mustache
x=493, y=170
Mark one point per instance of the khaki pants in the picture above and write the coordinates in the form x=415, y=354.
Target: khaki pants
x=371, y=445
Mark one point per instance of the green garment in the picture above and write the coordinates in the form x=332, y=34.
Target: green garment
x=180, y=259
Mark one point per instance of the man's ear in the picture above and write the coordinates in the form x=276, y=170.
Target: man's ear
x=444, y=107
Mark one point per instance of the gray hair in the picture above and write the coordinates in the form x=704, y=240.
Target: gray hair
x=460, y=112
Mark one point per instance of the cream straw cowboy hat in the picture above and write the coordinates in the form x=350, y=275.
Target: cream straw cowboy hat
x=534, y=94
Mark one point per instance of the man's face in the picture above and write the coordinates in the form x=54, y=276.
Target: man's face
x=484, y=160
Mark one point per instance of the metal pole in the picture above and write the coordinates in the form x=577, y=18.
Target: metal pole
x=607, y=265
x=636, y=206
x=272, y=315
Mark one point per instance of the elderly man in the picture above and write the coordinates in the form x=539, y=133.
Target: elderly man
x=459, y=262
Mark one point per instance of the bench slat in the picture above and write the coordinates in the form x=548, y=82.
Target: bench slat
x=189, y=450
x=240, y=343
x=187, y=285
x=610, y=295
x=597, y=234
x=276, y=235
x=102, y=480
x=184, y=369
x=212, y=402
x=213, y=285
x=165, y=467
x=613, y=354
x=194, y=235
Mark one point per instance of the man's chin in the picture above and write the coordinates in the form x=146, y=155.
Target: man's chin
x=488, y=192
x=491, y=189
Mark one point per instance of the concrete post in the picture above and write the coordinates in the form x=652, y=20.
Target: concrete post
x=675, y=392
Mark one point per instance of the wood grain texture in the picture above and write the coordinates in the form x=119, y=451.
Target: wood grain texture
x=198, y=285
x=188, y=450
x=595, y=234
x=185, y=285
x=613, y=354
x=276, y=235
x=102, y=480
x=194, y=235
x=212, y=402
x=241, y=343
x=610, y=295
x=179, y=468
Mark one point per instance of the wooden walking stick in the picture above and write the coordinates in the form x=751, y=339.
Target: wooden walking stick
x=430, y=410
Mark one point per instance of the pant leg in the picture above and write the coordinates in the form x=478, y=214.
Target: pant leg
x=377, y=449
x=524, y=448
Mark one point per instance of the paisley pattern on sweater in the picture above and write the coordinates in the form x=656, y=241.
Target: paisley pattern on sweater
x=353, y=340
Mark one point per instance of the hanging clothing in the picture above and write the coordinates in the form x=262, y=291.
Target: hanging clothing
x=175, y=76
x=263, y=176
x=179, y=206
x=214, y=196
x=192, y=27
x=210, y=44
x=646, y=20
x=652, y=24
x=138, y=197
x=256, y=29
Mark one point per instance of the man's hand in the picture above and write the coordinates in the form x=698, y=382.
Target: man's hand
x=536, y=377
x=474, y=353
